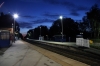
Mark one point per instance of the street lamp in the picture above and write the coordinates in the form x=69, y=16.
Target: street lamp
x=15, y=16
x=61, y=17
x=47, y=37
x=40, y=31
x=33, y=33
x=16, y=28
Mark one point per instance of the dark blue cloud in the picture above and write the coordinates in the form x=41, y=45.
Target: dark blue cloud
x=65, y=3
x=31, y=0
x=28, y=16
x=39, y=21
x=82, y=8
x=54, y=2
x=29, y=27
x=54, y=15
x=72, y=7
x=50, y=15
x=74, y=13
x=25, y=25
x=33, y=23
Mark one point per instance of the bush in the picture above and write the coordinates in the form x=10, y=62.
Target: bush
x=96, y=40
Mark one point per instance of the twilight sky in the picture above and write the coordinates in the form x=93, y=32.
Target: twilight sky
x=33, y=13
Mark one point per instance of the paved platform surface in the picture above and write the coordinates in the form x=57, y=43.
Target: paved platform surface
x=24, y=54
x=73, y=44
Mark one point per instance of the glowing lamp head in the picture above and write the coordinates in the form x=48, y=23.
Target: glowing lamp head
x=15, y=15
x=61, y=17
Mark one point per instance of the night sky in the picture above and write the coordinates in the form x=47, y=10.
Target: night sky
x=33, y=13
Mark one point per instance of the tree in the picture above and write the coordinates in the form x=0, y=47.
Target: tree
x=94, y=18
x=83, y=25
x=70, y=27
x=35, y=33
x=43, y=31
x=55, y=29
x=20, y=36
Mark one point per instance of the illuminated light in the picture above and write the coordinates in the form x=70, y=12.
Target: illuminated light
x=61, y=17
x=15, y=15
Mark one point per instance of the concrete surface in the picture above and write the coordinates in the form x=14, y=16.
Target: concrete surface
x=24, y=54
x=19, y=54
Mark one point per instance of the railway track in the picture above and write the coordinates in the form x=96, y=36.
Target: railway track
x=71, y=52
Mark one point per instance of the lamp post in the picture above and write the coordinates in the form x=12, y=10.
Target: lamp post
x=15, y=16
x=16, y=28
x=47, y=37
x=33, y=33
x=40, y=31
x=61, y=17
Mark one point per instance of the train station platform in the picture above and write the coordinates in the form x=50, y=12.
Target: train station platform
x=73, y=44
x=22, y=53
